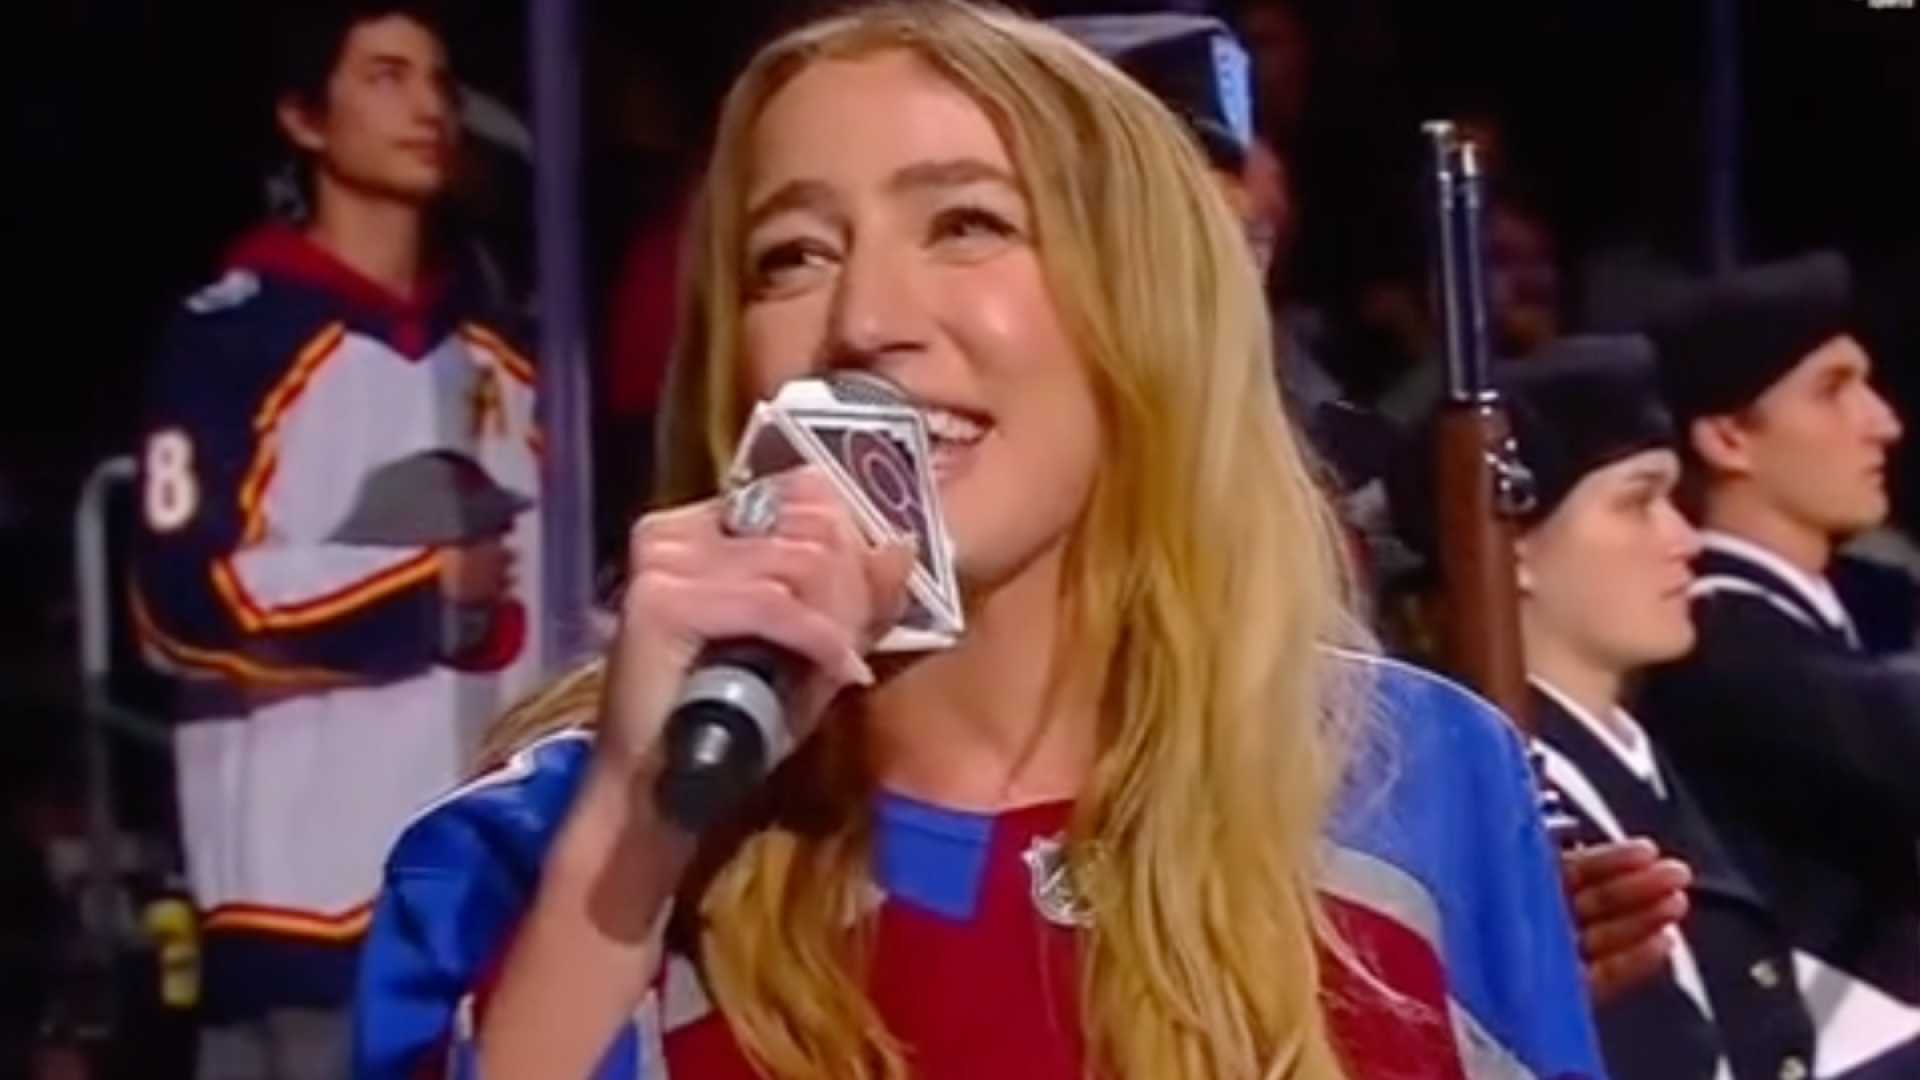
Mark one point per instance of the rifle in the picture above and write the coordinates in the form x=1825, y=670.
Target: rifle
x=1481, y=486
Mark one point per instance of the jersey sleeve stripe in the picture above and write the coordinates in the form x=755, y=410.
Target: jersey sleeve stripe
x=273, y=408
x=345, y=926
x=509, y=358
x=253, y=494
x=228, y=665
x=311, y=358
x=254, y=617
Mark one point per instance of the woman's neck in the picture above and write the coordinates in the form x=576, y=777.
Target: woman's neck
x=1594, y=687
x=984, y=725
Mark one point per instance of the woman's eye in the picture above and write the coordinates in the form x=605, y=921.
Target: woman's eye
x=787, y=264
x=1639, y=503
x=969, y=223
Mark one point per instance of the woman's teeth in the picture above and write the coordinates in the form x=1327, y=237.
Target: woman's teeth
x=951, y=427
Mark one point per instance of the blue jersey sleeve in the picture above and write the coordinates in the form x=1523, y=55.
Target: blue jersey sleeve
x=1543, y=1007
x=458, y=883
x=1448, y=798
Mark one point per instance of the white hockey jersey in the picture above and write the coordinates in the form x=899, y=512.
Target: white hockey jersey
x=320, y=708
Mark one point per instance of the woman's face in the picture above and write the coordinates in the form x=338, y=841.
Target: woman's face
x=1607, y=572
x=886, y=229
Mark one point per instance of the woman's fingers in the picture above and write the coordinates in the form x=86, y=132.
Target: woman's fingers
x=1622, y=971
x=1621, y=933
x=812, y=585
x=1602, y=861
x=703, y=611
x=811, y=561
x=1627, y=901
x=887, y=570
x=1630, y=890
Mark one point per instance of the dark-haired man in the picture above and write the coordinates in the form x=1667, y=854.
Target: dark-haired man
x=1802, y=749
x=339, y=437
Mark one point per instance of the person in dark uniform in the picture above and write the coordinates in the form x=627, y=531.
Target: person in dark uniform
x=1802, y=749
x=1604, y=570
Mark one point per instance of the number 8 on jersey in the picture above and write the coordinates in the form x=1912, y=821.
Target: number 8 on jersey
x=172, y=496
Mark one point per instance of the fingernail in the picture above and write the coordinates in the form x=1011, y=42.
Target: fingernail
x=856, y=671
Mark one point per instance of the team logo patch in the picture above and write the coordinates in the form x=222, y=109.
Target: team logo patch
x=486, y=406
x=232, y=290
x=1052, y=884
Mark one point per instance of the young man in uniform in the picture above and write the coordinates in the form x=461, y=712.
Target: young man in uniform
x=338, y=440
x=1802, y=749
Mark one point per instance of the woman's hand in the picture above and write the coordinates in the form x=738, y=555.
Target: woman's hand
x=584, y=954
x=812, y=586
x=1627, y=902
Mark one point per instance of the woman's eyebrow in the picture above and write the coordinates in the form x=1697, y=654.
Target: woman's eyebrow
x=809, y=195
x=1648, y=475
x=817, y=196
x=953, y=172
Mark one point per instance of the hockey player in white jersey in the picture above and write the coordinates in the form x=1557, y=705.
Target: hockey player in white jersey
x=338, y=445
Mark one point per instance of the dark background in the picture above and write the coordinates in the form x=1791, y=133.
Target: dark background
x=138, y=135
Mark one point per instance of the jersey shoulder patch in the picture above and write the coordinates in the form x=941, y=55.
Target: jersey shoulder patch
x=234, y=288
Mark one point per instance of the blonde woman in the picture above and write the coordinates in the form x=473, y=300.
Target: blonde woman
x=1148, y=819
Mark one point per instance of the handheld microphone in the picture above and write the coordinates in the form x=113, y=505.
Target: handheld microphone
x=729, y=727
x=726, y=730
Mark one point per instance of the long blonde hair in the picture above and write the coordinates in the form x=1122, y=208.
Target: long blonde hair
x=1203, y=577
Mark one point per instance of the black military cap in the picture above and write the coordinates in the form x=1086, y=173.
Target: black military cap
x=1580, y=404
x=1725, y=341
x=1193, y=63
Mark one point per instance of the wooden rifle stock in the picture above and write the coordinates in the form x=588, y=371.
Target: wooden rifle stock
x=1479, y=485
x=1481, y=634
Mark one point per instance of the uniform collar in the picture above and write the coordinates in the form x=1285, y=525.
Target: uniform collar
x=1624, y=739
x=1812, y=595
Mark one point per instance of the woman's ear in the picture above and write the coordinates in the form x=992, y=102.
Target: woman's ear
x=1522, y=567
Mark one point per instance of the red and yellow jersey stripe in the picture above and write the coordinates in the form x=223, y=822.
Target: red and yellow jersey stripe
x=310, y=359
x=510, y=359
x=254, y=616
x=344, y=927
x=273, y=408
x=223, y=663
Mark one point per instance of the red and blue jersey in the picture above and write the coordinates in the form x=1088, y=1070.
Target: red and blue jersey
x=1438, y=875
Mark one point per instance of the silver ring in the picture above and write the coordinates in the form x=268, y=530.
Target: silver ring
x=752, y=509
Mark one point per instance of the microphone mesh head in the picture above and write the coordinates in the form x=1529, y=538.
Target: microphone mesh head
x=865, y=388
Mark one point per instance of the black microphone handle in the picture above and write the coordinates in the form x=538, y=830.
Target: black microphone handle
x=725, y=731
